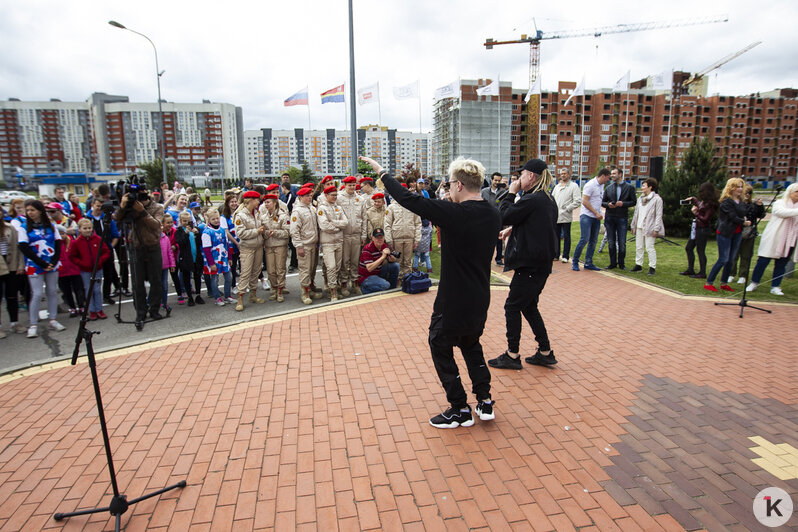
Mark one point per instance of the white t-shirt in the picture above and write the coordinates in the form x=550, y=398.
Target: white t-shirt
x=594, y=191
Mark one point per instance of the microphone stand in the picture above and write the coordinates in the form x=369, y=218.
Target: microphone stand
x=119, y=503
x=743, y=303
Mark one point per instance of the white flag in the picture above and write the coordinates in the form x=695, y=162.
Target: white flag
x=662, y=81
x=452, y=90
x=369, y=94
x=407, y=92
x=534, y=89
x=489, y=90
x=622, y=85
x=578, y=91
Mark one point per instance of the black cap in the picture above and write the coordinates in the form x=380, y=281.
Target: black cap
x=536, y=166
x=378, y=232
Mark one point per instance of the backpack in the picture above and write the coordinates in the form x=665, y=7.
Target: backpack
x=416, y=282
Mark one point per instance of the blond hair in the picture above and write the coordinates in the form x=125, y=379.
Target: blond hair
x=544, y=183
x=469, y=172
x=731, y=184
x=85, y=221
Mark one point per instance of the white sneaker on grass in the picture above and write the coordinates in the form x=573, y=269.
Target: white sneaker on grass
x=741, y=280
x=751, y=287
x=776, y=291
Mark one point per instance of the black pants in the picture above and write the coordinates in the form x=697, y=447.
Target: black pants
x=564, y=233
x=147, y=266
x=441, y=345
x=235, y=265
x=72, y=291
x=294, y=261
x=525, y=289
x=175, y=281
x=700, y=245
x=499, y=249
x=9, y=287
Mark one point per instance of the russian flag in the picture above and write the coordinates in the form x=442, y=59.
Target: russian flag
x=299, y=98
x=336, y=94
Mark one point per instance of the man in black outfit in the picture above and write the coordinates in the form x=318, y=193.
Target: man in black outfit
x=618, y=197
x=532, y=239
x=468, y=226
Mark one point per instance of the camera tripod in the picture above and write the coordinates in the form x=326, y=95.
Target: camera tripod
x=119, y=503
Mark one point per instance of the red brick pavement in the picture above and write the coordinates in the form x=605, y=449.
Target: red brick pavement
x=320, y=420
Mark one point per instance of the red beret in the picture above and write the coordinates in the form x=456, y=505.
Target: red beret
x=270, y=196
x=378, y=195
x=273, y=186
x=404, y=185
x=366, y=180
x=350, y=179
x=251, y=194
x=304, y=191
x=309, y=184
x=329, y=189
x=326, y=179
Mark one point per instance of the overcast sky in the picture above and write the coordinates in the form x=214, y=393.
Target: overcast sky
x=256, y=54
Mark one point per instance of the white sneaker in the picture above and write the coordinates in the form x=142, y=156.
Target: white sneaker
x=33, y=331
x=751, y=287
x=730, y=279
x=776, y=291
x=220, y=302
x=564, y=260
x=230, y=300
x=741, y=280
x=55, y=326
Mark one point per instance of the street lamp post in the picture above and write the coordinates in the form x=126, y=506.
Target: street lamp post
x=158, y=74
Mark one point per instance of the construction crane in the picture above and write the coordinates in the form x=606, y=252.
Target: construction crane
x=534, y=42
x=534, y=53
x=697, y=83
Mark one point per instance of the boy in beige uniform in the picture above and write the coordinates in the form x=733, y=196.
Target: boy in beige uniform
x=374, y=216
x=352, y=205
x=332, y=222
x=276, y=243
x=367, y=193
x=249, y=231
x=304, y=229
x=402, y=233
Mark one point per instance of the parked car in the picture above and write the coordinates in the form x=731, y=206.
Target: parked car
x=7, y=195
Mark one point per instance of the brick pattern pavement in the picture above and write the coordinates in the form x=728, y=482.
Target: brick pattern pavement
x=317, y=421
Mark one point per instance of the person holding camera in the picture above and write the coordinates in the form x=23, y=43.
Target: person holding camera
x=703, y=209
x=137, y=209
x=378, y=269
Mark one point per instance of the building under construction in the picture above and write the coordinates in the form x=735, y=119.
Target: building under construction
x=633, y=129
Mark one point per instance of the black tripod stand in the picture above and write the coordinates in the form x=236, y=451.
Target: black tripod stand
x=743, y=303
x=119, y=503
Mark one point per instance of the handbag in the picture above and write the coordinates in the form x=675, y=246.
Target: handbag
x=416, y=282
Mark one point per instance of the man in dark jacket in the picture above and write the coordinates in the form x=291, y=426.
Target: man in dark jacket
x=532, y=238
x=469, y=226
x=618, y=197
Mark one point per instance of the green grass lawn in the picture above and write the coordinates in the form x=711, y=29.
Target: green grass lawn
x=670, y=261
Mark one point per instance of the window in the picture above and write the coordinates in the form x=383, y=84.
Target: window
x=605, y=149
x=605, y=138
x=605, y=127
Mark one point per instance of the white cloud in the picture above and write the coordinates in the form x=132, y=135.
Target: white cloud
x=256, y=54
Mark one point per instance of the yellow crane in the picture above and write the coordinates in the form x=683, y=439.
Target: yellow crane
x=697, y=83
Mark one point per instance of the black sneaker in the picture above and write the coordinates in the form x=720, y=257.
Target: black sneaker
x=636, y=268
x=485, y=409
x=452, y=418
x=190, y=301
x=505, y=361
x=199, y=301
x=541, y=360
x=108, y=301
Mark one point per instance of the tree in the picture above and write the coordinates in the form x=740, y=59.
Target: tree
x=698, y=165
x=153, y=173
x=295, y=173
x=365, y=169
x=410, y=172
x=307, y=173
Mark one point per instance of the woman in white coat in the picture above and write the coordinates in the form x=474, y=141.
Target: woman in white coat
x=778, y=241
x=647, y=225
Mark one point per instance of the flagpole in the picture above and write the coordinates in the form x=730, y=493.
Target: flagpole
x=670, y=121
x=499, y=123
x=420, y=139
x=352, y=116
x=379, y=106
x=625, y=130
x=581, y=137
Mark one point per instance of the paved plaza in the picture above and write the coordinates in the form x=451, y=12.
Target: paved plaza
x=664, y=413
